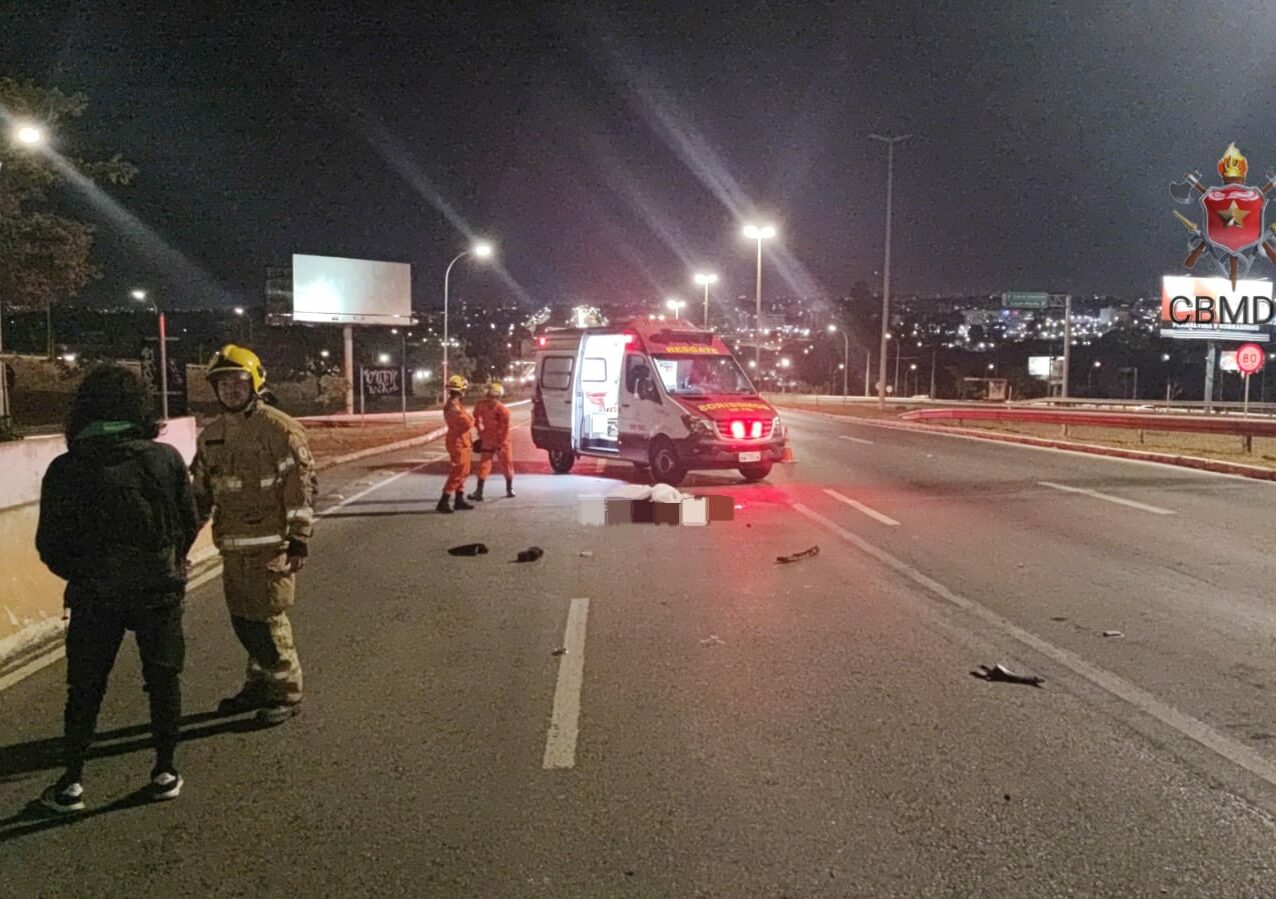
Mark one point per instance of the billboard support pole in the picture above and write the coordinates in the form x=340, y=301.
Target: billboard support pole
x=347, y=338
x=1211, y=356
x=1067, y=344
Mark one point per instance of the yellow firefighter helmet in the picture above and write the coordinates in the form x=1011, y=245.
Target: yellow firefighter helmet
x=458, y=383
x=495, y=389
x=231, y=358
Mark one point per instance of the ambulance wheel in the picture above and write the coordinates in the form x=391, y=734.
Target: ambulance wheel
x=666, y=467
x=755, y=472
x=561, y=460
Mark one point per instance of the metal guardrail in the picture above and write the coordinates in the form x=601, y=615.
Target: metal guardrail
x=1157, y=407
x=1236, y=426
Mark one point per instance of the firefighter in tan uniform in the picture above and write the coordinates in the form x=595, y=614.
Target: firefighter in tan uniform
x=254, y=475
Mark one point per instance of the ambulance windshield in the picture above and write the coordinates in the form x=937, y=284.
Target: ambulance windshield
x=700, y=376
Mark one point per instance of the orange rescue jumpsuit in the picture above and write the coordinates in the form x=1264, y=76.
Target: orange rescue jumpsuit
x=459, y=441
x=493, y=418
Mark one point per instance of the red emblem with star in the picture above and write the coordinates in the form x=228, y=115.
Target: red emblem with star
x=1233, y=216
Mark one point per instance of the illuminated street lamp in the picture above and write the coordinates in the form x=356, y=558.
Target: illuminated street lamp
x=675, y=305
x=383, y=358
x=759, y=233
x=142, y=297
x=481, y=250
x=704, y=279
x=846, y=355
x=30, y=136
x=243, y=314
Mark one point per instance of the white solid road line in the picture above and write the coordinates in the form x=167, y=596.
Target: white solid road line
x=1143, y=507
x=564, y=722
x=1192, y=728
x=871, y=513
x=855, y=439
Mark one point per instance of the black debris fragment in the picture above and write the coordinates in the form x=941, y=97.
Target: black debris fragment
x=468, y=549
x=797, y=557
x=531, y=554
x=1002, y=674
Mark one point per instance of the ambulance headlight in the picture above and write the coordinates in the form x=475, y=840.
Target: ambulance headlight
x=697, y=426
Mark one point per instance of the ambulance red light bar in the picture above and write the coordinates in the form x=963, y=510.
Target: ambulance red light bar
x=630, y=337
x=542, y=340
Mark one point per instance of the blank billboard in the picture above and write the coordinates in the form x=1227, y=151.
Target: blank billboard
x=332, y=290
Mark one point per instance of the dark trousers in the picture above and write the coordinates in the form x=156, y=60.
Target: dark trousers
x=92, y=641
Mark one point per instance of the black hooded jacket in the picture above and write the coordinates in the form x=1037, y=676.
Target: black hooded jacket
x=117, y=519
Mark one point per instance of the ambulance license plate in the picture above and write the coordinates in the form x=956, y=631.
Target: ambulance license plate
x=750, y=457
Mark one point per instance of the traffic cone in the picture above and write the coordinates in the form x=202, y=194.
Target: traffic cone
x=787, y=455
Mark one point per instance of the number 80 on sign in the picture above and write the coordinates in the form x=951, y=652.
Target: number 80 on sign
x=1250, y=358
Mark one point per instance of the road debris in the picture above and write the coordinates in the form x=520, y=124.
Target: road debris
x=1001, y=674
x=713, y=640
x=468, y=549
x=531, y=554
x=560, y=651
x=1113, y=634
x=797, y=557
x=586, y=554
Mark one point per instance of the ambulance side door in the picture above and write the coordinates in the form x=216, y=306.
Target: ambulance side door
x=640, y=408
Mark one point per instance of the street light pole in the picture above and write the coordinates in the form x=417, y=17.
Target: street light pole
x=481, y=250
x=886, y=274
x=30, y=135
x=705, y=279
x=758, y=233
x=846, y=357
x=163, y=348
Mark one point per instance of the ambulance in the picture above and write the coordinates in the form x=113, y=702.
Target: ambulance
x=662, y=395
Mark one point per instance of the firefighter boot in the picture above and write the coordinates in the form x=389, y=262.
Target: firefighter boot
x=444, y=505
x=248, y=699
x=460, y=501
x=509, y=487
x=477, y=495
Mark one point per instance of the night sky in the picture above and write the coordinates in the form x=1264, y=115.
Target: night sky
x=610, y=150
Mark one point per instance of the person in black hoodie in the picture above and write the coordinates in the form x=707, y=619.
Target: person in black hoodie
x=117, y=518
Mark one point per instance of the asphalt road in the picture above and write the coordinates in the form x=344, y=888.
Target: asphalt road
x=720, y=725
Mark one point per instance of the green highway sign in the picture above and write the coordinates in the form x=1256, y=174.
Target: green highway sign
x=1025, y=300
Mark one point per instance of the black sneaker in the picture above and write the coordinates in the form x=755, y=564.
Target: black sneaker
x=63, y=797
x=164, y=785
x=509, y=491
x=250, y=697
x=278, y=713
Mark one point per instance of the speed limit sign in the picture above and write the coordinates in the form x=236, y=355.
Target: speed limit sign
x=1250, y=358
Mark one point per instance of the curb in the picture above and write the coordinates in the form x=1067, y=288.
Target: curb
x=1213, y=466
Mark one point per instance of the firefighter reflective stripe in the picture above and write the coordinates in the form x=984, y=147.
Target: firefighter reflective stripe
x=286, y=464
x=228, y=483
x=269, y=482
x=241, y=542
x=301, y=514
